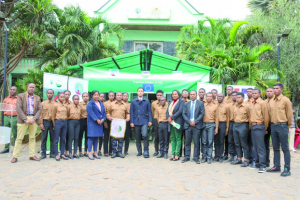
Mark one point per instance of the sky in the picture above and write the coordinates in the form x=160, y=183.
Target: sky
x=232, y=9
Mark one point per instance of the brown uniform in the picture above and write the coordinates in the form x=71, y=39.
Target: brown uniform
x=59, y=111
x=281, y=110
x=68, y=102
x=259, y=113
x=106, y=105
x=204, y=100
x=228, y=100
x=224, y=114
x=241, y=113
x=211, y=114
x=118, y=110
x=74, y=111
x=160, y=112
x=47, y=107
x=186, y=100
x=154, y=106
x=231, y=107
x=83, y=105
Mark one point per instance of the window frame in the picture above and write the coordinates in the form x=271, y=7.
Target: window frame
x=148, y=42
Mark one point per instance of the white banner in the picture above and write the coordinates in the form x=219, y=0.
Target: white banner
x=209, y=86
x=242, y=88
x=117, y=129
x=58, y=83
x=4, y=135
x=78, y=86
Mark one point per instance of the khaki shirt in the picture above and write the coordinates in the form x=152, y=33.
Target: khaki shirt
x=249, y=101
x=47, y=107
x=186, y=100
x=118, y=110
x=224, y=113
x=204, y=100
x=211, y=113
x=59, y=111
x=83, y=110
x=74, y=111
x=215, y=101
x=241, y=113
x=161, y=113
x=259, y=112
x=106, y=104
x=154, y=106
x=68, y=102
x=231, y=108
x=228, y=100
x=281, y=110
x=128, y=107
x=11, y=101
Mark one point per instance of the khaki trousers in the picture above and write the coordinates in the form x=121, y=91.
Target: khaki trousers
x=22, y=128
x=292, y=138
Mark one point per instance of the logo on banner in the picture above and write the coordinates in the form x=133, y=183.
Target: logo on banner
x=113, y=72
x=78, y=88
x=148, y=87
x=145, y=74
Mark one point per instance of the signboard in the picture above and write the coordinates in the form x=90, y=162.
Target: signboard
x=149, y=12
x=209, y=86
x=58, y=83
x=242, y=88
x=78, y=86
x=118, y=127
x=101, y=80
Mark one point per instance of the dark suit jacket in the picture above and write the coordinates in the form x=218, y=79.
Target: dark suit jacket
x=198, y=115
x=177, y=117
x=93, y=113
x=140, y=112
x=22, y=106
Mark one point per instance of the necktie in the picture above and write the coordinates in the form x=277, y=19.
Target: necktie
x=192, y=110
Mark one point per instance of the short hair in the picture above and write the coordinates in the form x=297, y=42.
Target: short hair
x=202, y=89
x=210, y=93
x=249, y=89
x=111, y=92
x=75, y=95
x=163, y=97
x=94, y=92
x=119, y=92
x=270, y=88
x=193, y=91
x=256, y=89
x=229, y=87
x=59, y=93
x=214, y=90
x=85, y=93
x=240, y=93
x=140, y=88
x=101, y=93
x=159, y=91
x=234, y=92
x=30, y=84
x=176, y=91
x=185, y=90
x=279, y=84
x=47, y=90
x=125, y=93
x=68, y=91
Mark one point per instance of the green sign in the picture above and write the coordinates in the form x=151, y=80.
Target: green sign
x=105, y=80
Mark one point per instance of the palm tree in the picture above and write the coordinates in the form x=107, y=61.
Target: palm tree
x=260, y=5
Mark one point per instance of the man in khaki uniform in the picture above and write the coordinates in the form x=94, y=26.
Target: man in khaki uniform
x=29, y=110
x=259, y=117
x=117, y=110
x=154, y=105
x=228, y=98
x=201, y=93
x=215, y=93
x=241, y=116
x=111, y=97
x=270, y=95
x=281, y=114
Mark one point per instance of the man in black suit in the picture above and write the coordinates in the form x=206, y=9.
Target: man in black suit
x=193, y=112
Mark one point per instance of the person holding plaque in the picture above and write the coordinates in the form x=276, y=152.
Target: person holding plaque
x=118, y=110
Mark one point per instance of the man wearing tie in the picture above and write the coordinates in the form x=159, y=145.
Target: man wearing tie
x=193, y=112
x=140, y=118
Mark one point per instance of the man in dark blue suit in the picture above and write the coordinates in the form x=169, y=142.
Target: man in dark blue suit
x=193, y=112
x=140, y=119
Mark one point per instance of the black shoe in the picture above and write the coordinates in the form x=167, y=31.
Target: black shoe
x=286, y=172
x=237, y=162
x=230, y=159
x=43, y=157
x=160, y=156
x=216, y=159
x=225, y=157
x=120, y=155
x=4, y=151
x=57, y=159
x=65, y=158
x=52, y=156
x=197, y=161
x=208, y=160
x=221, y=160
x=99, y=153
x=146, y=154
x=114, y=155
x=252, y=165
x=274, y=169
x=139, y=154
x=203, y=160
x=80, y=155
x=85, y=155
x=262, y=170
x=245, y=164
x=71, y=157
x=76, y=156
x=155, y=153
x=126, y=154
x=185, y=160
x=166, y=156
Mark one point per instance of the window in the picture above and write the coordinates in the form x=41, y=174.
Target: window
x=156, y=46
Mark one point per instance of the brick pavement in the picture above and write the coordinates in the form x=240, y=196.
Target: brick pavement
x=139, y=178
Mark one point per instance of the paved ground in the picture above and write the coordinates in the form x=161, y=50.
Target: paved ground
x=139, y=178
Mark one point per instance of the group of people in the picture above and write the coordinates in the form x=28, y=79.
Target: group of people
x=228, y=124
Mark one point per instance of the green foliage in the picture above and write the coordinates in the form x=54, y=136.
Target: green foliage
x=283, y=14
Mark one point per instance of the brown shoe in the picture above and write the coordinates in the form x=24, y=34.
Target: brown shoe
x=14, y=160
x=34, y=158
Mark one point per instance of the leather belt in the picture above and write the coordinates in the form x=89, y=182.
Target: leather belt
x=257, y=123
x=11, y=116
x=30, y=114
x=61, y=120
x=279, y=123
x=209, y=122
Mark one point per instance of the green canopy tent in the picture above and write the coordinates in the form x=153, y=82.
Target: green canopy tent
x=147, y=68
